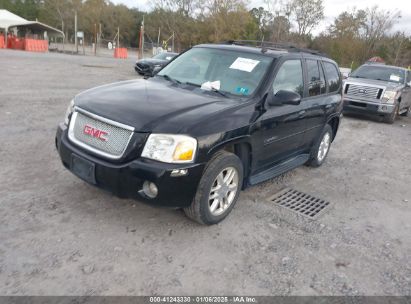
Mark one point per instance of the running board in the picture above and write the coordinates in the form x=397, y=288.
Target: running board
x=279, y=169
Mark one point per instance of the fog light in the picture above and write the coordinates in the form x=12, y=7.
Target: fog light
x=179, y=172
x=150, y=189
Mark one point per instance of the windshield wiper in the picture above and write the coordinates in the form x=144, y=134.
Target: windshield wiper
x=212, y=89
x=193, y=84
x=219, y=92
x=166, y=77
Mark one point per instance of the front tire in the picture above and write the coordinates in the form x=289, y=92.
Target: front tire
x=391, y=117
x=320, y=150
x=405, y=114
x=218, y=189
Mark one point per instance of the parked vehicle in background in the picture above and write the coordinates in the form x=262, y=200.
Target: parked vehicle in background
x=217, y=119
x=149, y=66
x=378, y=89
x=345, y=72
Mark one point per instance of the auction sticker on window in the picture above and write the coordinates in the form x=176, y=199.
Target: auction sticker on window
x=244, y=64
x=394, y=78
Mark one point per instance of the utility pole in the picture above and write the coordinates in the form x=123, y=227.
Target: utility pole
x=75, y=32
x=142, y=39
x=99, y=36
x=95, y=39
x=173, y=42
x=64, y=35
x=118, y=37
x=158, y=38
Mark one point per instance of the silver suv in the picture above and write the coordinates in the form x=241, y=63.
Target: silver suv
x=378, y=89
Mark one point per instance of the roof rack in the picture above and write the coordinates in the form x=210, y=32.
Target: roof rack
x=265, y=45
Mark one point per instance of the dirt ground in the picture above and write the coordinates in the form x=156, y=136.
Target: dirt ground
x=60, y=236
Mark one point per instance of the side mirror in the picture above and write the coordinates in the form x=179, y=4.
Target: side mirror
x=285, y=97
x=153, y=72
x=156, y=70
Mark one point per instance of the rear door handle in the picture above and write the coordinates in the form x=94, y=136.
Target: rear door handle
x=301, y=113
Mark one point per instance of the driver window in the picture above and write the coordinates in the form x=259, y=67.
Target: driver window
x=289, y=77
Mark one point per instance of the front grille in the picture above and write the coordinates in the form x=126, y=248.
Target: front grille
x=364, y=91
x=84, y=130
x=142, y=67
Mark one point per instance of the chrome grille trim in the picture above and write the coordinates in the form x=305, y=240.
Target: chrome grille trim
x=364, y=91
x=98, y=120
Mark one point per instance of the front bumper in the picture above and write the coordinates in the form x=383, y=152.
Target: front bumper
x=126, y=180
x=362, y=106
x=142, y=70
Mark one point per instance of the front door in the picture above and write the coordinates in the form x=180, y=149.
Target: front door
x=278, y=133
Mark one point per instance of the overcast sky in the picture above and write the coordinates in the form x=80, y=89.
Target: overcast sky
x=332, y=9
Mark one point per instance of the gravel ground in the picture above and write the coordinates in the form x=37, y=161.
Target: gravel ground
x=60, y=236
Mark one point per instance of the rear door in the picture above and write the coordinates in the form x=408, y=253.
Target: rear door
x=278, y=133
x=320, y=105
x=316, y=101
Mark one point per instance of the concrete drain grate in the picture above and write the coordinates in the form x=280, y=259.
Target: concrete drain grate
x=300, y=203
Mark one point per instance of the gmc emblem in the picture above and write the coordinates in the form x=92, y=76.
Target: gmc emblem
x=94, y=132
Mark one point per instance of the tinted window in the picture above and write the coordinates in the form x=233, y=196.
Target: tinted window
x=322, y=83
x=289, y=77
x=333, y=76
x=315, y=85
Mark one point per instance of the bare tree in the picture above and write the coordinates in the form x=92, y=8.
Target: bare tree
x=377, y=24
x=307, y=14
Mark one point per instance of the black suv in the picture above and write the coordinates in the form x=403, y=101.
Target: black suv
x=217, y=119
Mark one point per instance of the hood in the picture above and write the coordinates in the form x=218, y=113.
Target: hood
x=152, y=61
x=391, y=86
x=151, y=105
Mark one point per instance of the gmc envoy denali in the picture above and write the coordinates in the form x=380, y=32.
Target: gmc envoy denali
x=217, y=119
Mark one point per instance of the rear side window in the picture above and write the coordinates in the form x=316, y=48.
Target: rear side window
x=333, y=76
x=289, y=77
x=316, y=84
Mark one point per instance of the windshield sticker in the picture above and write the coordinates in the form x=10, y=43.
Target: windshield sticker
x=168, y=57
x=211, y=85
x=244, y=64
x=240, y=90
x=395, y=78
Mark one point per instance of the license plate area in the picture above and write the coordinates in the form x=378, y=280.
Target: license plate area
x=83, y=168
x=359, y=104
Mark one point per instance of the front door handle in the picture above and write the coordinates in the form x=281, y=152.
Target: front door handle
x=301, y=113
x=328, y=106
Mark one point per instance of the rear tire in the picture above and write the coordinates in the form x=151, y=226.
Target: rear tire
x=320, y=150
x=218, y=189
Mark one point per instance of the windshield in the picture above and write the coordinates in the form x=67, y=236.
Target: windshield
x=237, y=73
x=164, y=56
x=380, y=73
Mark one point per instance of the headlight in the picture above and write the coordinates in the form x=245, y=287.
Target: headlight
x=69, y=110
x=389, y=96
x=170, y=148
